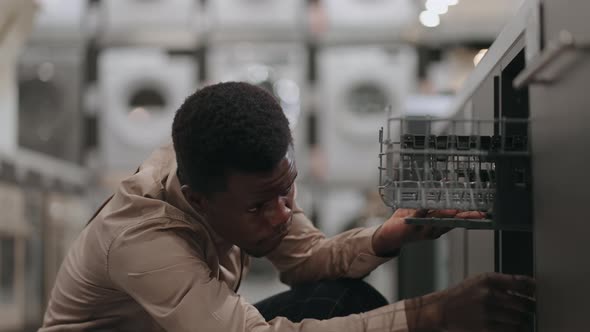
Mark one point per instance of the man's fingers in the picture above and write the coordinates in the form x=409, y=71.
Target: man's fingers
x=404, y=213
x=442, y=213
x=516, y=283
x=421, y=213
x=471, y=215
x=449, y=213
x=514, y=302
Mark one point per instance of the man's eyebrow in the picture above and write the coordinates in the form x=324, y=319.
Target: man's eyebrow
x=294, y=178
x=266, y=195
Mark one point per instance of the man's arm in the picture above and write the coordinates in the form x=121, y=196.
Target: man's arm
x=165, y=273
x=306, y=255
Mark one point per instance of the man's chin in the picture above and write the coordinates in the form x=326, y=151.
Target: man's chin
x=261, y=252
x=257, y=253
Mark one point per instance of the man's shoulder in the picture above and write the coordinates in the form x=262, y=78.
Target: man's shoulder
x=152, y=224
x=131, y=208
x=157, y=239
x=136, y=224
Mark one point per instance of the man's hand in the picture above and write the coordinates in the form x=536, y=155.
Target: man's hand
x=488, y=302
x=394, y=233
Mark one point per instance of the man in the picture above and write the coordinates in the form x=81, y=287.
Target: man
x=169, y=250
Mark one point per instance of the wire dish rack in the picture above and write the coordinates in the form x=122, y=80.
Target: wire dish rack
x=447, y=164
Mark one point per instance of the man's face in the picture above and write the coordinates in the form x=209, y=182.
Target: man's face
x=255, y=212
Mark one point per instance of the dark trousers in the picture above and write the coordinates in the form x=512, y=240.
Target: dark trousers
x=322, y=300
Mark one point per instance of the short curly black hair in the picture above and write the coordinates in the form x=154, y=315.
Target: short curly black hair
x=224, y=127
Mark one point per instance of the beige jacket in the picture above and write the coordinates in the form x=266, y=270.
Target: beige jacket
x=148, y=262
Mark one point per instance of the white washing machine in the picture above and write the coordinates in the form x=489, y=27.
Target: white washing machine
x=140, y=90
x=165, y=23
x=60, y=20
x=355, y=87
x=237, y=20
x=366, y=20
x=49, y=90
x=50, y=80
x=279, y=68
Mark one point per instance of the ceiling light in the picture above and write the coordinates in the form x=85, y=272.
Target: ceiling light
x=437, y=6
x=477, y=58
x=429, y=19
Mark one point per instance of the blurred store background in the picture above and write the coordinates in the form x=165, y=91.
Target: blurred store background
x=89, y=88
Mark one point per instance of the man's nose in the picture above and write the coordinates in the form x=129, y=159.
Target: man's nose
x=279, y=212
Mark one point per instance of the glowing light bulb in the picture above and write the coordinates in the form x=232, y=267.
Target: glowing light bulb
x=477, y=58
x=429, y=19
x=437, y=6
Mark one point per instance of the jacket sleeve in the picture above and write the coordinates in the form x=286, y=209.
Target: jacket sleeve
x=166, y=275
x=306, y=254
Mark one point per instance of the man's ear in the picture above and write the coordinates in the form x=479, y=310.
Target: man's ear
x=196, y=199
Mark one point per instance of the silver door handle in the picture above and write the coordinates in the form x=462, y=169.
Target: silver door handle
x=565, y=42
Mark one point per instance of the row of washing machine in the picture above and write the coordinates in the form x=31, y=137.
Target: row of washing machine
x=140, y=86
x=140, y=89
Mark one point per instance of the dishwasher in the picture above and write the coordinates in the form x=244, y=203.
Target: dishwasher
x=515, y=150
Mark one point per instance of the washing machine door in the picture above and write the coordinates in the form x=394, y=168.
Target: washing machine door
x=144, y=114
x=141, y=89
x=49, y=117
x=362, y=106
x=43, y=122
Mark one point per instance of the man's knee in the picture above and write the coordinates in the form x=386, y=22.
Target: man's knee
x=322, y=300
x=351, y=295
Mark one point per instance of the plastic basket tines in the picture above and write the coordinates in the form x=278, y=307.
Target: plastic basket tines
x=440, y=172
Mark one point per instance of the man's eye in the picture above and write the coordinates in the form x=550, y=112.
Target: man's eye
x=255, y=209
